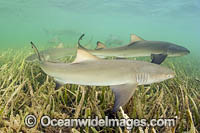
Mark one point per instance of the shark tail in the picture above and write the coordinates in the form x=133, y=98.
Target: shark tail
x=36, y=51
x=79, y=45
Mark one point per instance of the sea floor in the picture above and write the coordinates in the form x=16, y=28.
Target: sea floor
x=26, y=89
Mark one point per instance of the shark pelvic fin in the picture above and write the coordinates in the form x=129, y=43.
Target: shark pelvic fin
x=135, y=38
x=60, y=45
x=100, y=45
x=123, y=93
x=158, y=58
x=83, y=54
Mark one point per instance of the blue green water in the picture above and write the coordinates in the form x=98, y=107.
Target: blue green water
x=49, y=22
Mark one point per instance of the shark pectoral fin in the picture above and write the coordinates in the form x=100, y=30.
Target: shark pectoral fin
x=100, y=45
x=135, y=38
x=158, y=58
x=123, y=93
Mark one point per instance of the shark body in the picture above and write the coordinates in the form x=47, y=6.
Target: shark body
x=53, y=54
x=123, y=76
x=157, y=50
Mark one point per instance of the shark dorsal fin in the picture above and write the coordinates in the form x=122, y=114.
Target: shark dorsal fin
x=135, y=38
x=60, y=45
x=100, y=45
x=84, y=55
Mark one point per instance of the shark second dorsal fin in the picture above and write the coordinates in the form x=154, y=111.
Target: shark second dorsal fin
x=83, y=54
x=135, y=38
x=60, y=45
x=100, y=45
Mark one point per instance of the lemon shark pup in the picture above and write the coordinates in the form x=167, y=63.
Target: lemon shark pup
x=123, y=76
x=53, y=54
x=158, y=50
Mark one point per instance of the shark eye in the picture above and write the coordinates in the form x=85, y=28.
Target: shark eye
x=168, y=76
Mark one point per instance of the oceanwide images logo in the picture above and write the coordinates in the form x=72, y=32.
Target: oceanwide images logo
x=46, y=121
x=30, y=121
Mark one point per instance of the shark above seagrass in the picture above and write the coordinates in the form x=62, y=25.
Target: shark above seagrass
x=123, y=76
x=53, y=54
x=158, y=50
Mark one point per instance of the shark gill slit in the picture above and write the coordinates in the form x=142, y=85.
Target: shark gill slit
x=142, y=78
x=146, y=76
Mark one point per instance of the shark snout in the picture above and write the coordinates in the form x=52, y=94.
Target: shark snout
x=188, y=51
x=178, y=50
x=170, y=74
x=184, y=51
x=173, y=74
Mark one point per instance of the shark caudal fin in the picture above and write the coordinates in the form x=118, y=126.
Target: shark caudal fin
x=79, y=45
x=82, y=53
x=36, y=51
